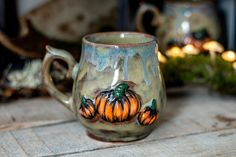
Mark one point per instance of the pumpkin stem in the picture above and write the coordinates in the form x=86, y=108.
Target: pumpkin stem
x=154, y=105
x=83, y=100
x=119, y=91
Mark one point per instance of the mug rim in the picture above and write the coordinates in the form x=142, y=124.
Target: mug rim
x=145, y=43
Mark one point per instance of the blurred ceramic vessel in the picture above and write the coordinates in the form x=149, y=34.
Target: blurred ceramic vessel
x=182, y=22
x=118, y=90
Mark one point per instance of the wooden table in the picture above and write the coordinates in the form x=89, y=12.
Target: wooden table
x=195, y=123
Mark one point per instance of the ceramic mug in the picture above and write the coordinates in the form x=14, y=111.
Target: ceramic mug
x=118, y=90
x=182, y=22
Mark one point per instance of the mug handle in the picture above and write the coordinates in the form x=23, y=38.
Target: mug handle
x=142, y=10
x=51, y=55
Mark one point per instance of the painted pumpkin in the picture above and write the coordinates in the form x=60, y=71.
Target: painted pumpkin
x=119, y=104
x=149, y=114
x=87, y=108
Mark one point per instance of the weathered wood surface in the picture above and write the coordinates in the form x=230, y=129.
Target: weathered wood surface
x=194, y=124
x=34, y=112
x=212, y=144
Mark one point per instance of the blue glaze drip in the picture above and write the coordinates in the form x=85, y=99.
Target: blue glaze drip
x=154, y=65
x=104, y=57
x=126, y=67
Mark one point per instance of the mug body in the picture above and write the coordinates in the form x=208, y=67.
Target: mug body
x=119, y=92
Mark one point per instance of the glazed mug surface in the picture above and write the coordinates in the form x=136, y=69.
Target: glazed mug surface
x=182, y=22
x=118, y=90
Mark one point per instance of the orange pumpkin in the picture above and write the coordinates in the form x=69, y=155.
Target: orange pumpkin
x=149, y=114
x=119, y=104
x=87, y=108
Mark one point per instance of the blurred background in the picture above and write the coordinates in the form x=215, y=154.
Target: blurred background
x=26, y=26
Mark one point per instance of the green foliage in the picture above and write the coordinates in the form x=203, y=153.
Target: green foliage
x=199, y=69
x=224, y=79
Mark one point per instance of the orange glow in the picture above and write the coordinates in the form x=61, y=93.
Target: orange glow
x=175, y=52
x=190, y=49
x=229, y=56
x=234, y=65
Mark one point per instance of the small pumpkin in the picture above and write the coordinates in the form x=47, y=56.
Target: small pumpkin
x=149, y=114
x=87, y=108
x=119, y=104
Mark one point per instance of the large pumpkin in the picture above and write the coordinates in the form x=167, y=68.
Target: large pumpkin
x=119, y=104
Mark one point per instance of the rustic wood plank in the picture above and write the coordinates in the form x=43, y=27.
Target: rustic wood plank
x=35, y=146
x=9, y=147
x=66, y=139
x=194, y=111
x=5, y=117
x=191, y=112
x=34, y=112
x=3, y=152
x=220, y=143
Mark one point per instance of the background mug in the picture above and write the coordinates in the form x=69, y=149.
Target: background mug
x=118, y=90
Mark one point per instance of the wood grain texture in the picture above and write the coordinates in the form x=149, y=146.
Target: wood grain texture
x=219, y=143
x=56, y=140
x=9, y=146
x=34, y=112
x=194, y=123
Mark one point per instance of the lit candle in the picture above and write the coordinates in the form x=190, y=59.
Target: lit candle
x=175, y=52
x=190, y=49
x=229, y=56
